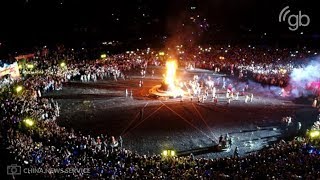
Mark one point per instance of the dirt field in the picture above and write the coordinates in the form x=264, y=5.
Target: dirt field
x=101, y=107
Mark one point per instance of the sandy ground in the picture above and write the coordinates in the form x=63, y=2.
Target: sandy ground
x=101, y=107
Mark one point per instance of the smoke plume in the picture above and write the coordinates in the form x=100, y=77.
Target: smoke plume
x=306, y=77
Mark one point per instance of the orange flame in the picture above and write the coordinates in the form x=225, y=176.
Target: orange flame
x=170, y=78
x=171, y=73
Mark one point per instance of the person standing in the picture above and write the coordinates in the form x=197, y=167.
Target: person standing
x=191, y=156
x=215, y=100
x=224, y=85
x=229, y=141
x=236, y=152
x=289, y=120
x=251, y=97
x=220, y=139
x=246, y=88
x=120, y=141
x=229, y=101
x=214, y=92
x=246, y=99
x=38, y=93
x=314, y=104
x=226, y=137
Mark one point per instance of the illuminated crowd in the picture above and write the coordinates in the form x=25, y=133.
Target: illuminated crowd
x=266, y=66
x=34, y=139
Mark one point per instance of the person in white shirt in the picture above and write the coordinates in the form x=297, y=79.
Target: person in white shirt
x=315, y=102
x=251, y=97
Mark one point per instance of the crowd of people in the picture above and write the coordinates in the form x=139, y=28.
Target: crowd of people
x=34, y=139
x=264, y=65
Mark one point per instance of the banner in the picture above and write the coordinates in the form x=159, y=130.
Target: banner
x=12, y=70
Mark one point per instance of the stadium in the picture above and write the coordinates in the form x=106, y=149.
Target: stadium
x=194, y=107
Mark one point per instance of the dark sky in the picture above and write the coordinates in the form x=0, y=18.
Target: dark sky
x=29, y=22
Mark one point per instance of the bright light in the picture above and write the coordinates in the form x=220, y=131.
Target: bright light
x=28, y=122
x=170, y=79
x=283, y=71
x=103, y=56
x=171, y=72
x=19, y=89
x=30, y=66
x=161, y=53
x=165, y=153
x=314, y=133
x=63, y=64
x=168, y=153
x=173, y=153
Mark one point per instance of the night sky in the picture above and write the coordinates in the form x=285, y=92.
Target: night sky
x=152, y=22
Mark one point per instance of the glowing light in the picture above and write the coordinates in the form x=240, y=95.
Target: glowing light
x=63, y=64
x=19, y=89
x=30, y=66
x=161, y=53
x=103, y=56
x=170, y=79
x=314, y=133
x=165, y=153
x=28, y=122
x=171, y=73
x=168, y=153
x=283, y=71
x=173, y=153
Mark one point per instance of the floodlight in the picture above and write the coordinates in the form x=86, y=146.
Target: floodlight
x=63, y=64
x=165, y=153
x=30, y=66
x=314, y=133
x=173, y=153
x=19, y=89
x=103, y=56
x=29, y=122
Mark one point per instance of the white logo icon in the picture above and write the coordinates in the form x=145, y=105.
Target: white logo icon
x=294, y=20
x=13, y=169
